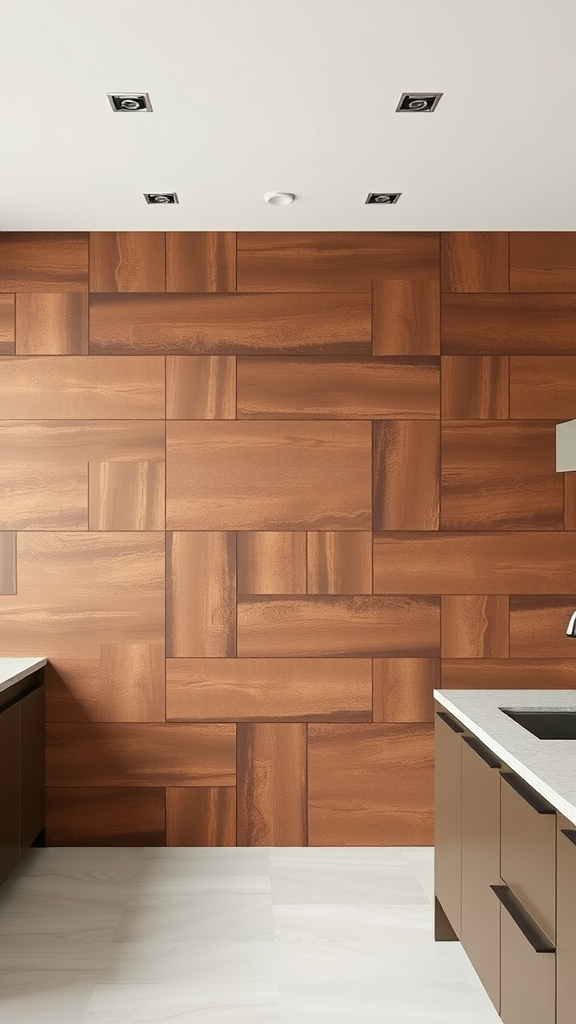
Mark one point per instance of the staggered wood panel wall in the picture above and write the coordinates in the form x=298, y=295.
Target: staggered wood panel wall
x=260, y=494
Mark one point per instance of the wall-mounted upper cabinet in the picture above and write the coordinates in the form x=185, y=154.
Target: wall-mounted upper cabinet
x=566, y=446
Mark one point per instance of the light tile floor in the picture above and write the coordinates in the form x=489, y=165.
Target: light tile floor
x=246, y=936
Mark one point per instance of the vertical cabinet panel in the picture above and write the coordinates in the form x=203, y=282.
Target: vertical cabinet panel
x=32, y=782
x=448, y=835
x=565, y=922
x=9, y=790
x=528, y=979
x=528, y=855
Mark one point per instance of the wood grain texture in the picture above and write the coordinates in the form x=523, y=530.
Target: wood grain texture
x=500, y=476
x=542, y=387
x=132, y=683
x=127, y=261
x=405, y=317
x=51, y=323
x=298, y=261
x=201, y=595
x=271, y=787
x=403, y=689
x=338, y=627
x=285, y=388
x=543, y=261
x=201, y=387
x=406, y=459
x=82, y=387
x=7, y=323
x=47, y=261
x=268, y=476
x=137, y=754
x=271, y=563
x=339, y=563
x=269, y=689
x=508, y=324
x=230, y=324
x=474, y=626
x=8, y=562
x=201, y=816
x=200, y=261
x=480, y=563
x=126, y=496
x=475, y=387
x=73, y=686
x=538, y=626
x=569, y=501
x=97, y=816
x=474, y=261
x=370, y=785
x=508, y=674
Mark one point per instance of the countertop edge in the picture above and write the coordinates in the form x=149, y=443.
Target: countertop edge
x=15, y=673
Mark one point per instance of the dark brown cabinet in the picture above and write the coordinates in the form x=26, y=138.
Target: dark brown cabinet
x=21, y=770
x=9, y=790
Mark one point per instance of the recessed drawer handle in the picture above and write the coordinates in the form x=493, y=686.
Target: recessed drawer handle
x=539, y=942
x=482, y=752
x=527, y=793
x=450, y=721
x=570, y=834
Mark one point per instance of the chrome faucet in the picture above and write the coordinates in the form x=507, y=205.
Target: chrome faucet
x=571, y=631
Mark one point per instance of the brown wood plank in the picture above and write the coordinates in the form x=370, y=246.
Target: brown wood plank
x=73, y=685
x=201, y=816
x=271, y=785
x=43, y=261
x=7, y=321
x=500, y=476
x=340, y=563
x=403, y=689
x=269, y=689
x=300, y=261
x=271, y=563
x=508, y=674
x=82, y=387
x=338, y=627
x=406, y=458
x=542, y=387
x=139, y=754
x=8, y=562
x=480, y=563
x=285, y=388
x=370, y=785
x=200, y=261
x=474, y=626
x=405, y=317
x=268, y=476
x=51, y=324
x=95, y=816
x=538, y=626
x=126, y=496
x=201, y=595
x=230, y=324
x=132, y=683
x=474, y=261
x=508, y=324
x=475, y=387
x=569, y=501
x=127, y=261
x=201, y=387
x=543, y=261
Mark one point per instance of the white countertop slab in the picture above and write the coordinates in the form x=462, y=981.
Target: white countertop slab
x=14, y=669
x=549, y=766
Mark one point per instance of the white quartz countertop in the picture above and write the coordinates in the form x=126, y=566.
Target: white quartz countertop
x=14, y=669
x=549, y=766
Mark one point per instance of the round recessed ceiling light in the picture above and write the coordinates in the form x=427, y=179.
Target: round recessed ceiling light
x=279, y=198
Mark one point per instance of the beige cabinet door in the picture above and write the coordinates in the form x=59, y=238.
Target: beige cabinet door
x=528, y=966
x=528, y=856
x=566, y=923
x=447, y=832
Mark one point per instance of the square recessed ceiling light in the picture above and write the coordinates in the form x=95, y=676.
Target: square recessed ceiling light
x=418, y=102
x=383, y=198
x=129, y=102
x=160, y=198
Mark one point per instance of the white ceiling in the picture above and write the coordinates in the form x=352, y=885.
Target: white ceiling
x=251, y=96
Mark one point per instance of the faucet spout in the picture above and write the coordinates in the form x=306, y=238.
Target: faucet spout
x=571, y=630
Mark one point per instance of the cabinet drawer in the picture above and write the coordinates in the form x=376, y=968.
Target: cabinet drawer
x=566, y=923
x=528, y=976
x=528, y=850
x=447, y=839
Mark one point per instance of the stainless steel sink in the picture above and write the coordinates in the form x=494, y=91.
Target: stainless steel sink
x=545, y=724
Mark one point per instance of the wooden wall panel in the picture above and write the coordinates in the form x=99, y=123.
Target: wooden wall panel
x=403, y=689
x=127, y=261
x=474, y=626
x=271, y=563
x=543, y=261
x=543, y=387
x=272, y=784
x=538, y=626
x=405, y=317
x=475, y=387
x=474, y=261
x=272, y=476
x=286, y=388
x=96, y=816
x=200, y=261
x=370, y=785
x=230, y=324
x=269, y=689
x=32, y=261
x=511, y=674
x=52, y=324
x=340, y=563
x=8, y=562
x=7, y=323
x=201, y=816
x=132, y=683
x=126, y=496
x=201, y=387
x=508, y=324
x=406, y=500
x=201, y=595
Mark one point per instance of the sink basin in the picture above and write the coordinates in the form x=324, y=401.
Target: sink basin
x=546, y=725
